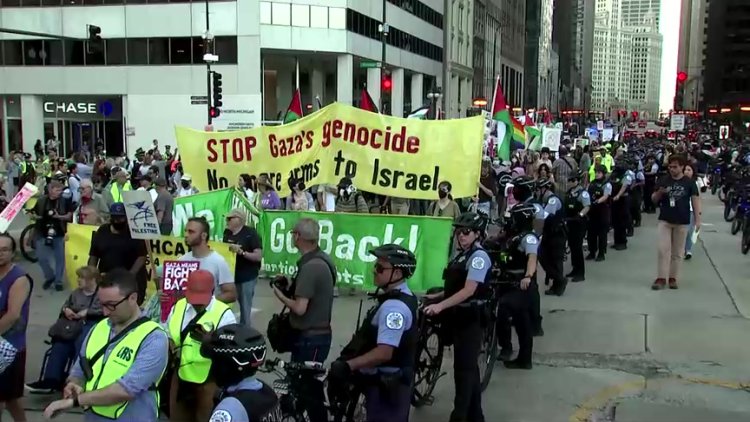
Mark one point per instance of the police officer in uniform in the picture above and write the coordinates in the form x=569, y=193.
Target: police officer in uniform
x=599, y=215
x=465, y=283
x=236, y=352
x=552, y=248
x=578, y=203
x=383, y=350
x=621, y=182
x=520, y=266
x=636, y=199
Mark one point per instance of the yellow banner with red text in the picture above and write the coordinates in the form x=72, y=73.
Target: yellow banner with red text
x=404, y=158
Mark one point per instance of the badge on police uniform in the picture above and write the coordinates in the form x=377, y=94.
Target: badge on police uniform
x=477, y=263
x=394, y=321
x=531, y=240
x=221, y=416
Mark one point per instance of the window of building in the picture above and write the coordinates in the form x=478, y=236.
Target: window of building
x=74, y=53
x=280, y=14
x=12, y=53
x=158, y=51
x=336, y=18
x=265, y=13
x=318, y=17
x=94, y=57
x=300, y=15
x=226, y=49
x=137, y=51
x=117, y=51
x=198, y=50
x=48, y=2
x=180, y=50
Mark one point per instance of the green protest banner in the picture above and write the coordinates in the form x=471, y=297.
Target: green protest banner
x=347, y=238
x=213, y=206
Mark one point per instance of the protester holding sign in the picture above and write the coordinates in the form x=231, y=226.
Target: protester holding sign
x=245, y=242
x=196, y=237
x=113, y=247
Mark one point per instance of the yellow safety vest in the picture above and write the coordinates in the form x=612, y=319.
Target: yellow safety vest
x=608, y=162
x=592, y=173
x=117, y=193
x=107, y=370
x=23, y=167
x=47, y=167
x=193, y=366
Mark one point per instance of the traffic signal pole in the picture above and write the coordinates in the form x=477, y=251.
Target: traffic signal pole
x=384, y=37
x=208, y=68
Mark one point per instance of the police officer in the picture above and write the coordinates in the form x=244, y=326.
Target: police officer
x=578, y=203
x=621, y=182
x=236, y=351
x=517, y=303
x=636, y=195
x=523, y=191
x=465, y=284
x=552, y=247
x=600, y=191
x=384, y=348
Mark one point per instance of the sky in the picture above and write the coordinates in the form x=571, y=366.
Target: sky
x=670, y=29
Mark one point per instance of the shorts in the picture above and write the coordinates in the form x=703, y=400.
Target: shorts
x=12, y=379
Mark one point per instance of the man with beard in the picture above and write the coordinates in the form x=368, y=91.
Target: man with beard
x=112, y=247
x=197, y=232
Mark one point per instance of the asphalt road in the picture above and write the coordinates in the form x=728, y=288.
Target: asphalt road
x=613, y=349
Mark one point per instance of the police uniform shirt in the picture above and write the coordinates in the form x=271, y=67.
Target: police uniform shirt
x=552, y=203
x=627, y=179
x=607, y=189
x=231, y=409
x=529, y=244
x=393, y=319
x=539, y=213
x=583, y=196
x=640, y=176
x=478, y=265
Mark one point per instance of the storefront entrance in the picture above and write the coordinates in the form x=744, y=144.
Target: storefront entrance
x=85, y=125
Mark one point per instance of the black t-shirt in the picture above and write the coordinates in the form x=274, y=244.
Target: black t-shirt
x=674, y=206
x=248, y=239
x=117, y=250
x=43, y=207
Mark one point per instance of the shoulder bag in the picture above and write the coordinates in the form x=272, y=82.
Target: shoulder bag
x=66, y=330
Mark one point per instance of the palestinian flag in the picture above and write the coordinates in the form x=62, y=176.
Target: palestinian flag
x=505, y=127
x=294, y=111
x=366, y=102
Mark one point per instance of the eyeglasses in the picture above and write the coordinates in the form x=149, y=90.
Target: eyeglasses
x=379, y=268
x=6, y=250
x=113, y=306
x=464, y=231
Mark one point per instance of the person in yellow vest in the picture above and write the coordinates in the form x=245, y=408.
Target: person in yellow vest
x=607, y=160
x=120, y=183
x=49, y=165
x=199, y=312
x=592, y=169
x=121, y=361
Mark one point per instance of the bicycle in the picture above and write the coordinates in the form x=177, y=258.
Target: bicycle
x=28, y=252
x=289, y=387
x=429, y=356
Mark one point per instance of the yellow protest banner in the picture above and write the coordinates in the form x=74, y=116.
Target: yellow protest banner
x=405, y=158
x=78, y=244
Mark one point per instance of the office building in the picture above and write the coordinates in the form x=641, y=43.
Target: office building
x=487, y=48
x=691, y=52
x=726, y=78
x=150, y=71
x=513, y=45
x=459, y=41
x=537, y=60
x=564, y=33
x=645, y=75
x=583, y=49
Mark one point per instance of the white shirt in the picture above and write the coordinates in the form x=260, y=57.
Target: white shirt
x=152, y=192
x=190, y=313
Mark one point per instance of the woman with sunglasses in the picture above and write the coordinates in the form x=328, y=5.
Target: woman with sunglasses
x=465, y=284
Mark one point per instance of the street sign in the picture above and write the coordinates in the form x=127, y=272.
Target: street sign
x=677, y=122
x=600, y=125
x=198, y=99
x=370, y=65
x=724, y=132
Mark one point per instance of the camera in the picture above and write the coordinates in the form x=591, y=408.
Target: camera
x=51, y=233
x=281, y=283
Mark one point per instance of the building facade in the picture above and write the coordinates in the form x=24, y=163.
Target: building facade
x=459, y=43
x=727, y=65
x=487, y=47
x=564, y=33
x=645, y=76
x=583, y=48
x=513, y=30
x=537, y=61
x=635, y=11
x=691, y=54
x=150, y=74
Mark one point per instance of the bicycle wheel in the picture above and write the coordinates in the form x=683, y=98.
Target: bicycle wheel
x=28, y=253
x=730, y=210
x=429, y=362
x=488, y=353
x=714, y=185
x=736, y=226
x=745, y=247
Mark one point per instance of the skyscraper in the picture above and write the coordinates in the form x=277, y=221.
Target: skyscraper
x=691, y=52
x=537, y=60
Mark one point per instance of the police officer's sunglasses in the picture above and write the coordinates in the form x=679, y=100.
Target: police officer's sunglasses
x=464, y=231
x=379, y=268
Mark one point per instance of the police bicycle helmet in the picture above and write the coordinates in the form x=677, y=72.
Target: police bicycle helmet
x=398, y=256
x=471, y=220
x=523, y=187
x=544, y=183
x=522, y=217
x=236, y=351
x=577, y=176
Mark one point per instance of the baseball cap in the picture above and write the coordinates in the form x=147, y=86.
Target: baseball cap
x=118, y=209
x=237, y=213
x=186, y=177
x=199, y=288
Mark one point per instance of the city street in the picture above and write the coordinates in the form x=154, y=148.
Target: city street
x=613, y=349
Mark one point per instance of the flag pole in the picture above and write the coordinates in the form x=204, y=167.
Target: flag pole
x=494, y=93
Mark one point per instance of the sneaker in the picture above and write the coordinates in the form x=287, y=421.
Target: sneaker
x=599, y=258
x=537, y=331
x=673, y=284
x=48, y=283
x=658, y=284
x=515, y=364
x=506, y=354
x=41, y=387
x=688, y=255
x=590, y=257
x=59, y=287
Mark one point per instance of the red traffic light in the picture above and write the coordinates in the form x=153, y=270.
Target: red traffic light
x=387, y=83
x=214, y=112
x=681, y=77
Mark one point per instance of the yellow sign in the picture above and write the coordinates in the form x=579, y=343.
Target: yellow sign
x=167, y=248
x=405, y=158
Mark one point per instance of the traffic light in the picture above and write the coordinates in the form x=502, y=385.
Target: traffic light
x=679, y=92
x=214, y=112
x=386, y=83
x=95, y=43
x=217, y=95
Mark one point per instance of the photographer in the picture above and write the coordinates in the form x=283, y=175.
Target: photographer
x=310, y=301
x=54, y=213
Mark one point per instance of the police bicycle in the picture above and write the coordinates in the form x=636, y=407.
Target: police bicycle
x=289, y=388
x=429, y=356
